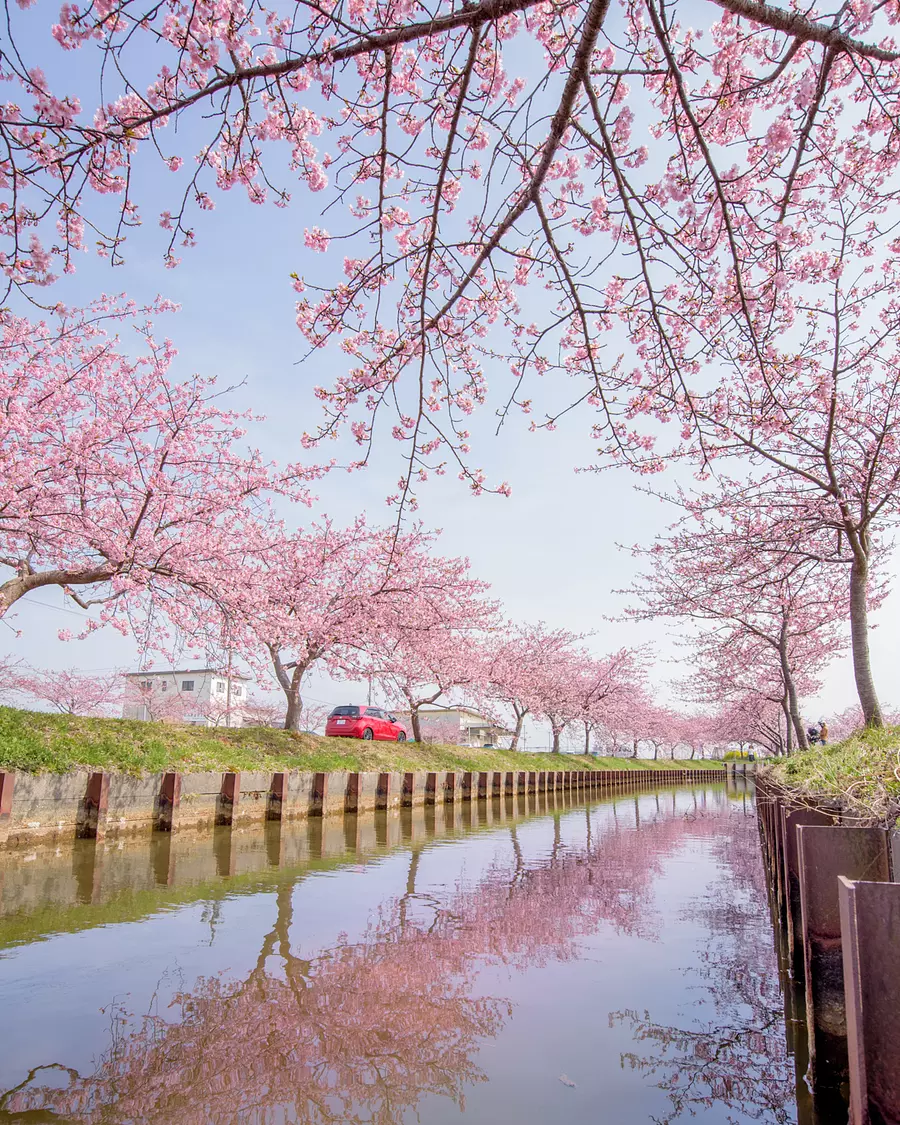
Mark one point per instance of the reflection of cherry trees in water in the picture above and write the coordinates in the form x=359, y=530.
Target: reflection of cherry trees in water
x=361, y=1032
x=734, y=1052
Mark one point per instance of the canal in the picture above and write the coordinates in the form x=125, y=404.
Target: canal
x=537, y=961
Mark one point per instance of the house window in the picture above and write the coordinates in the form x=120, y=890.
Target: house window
x=187, y=685
x=147, y=685
x=236, y=690
x=220, y=688
x=164, y=686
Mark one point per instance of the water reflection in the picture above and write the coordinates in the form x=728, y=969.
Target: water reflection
x=387, y=1023
x=730, y=1049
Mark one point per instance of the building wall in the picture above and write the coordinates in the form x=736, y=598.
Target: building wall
x=167, y=701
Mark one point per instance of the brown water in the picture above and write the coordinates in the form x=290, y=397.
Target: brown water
x=605, y=963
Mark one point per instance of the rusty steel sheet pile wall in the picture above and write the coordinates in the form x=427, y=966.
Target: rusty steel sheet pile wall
x=88, y=804
x=836, y=899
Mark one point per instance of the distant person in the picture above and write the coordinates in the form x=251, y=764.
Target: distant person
x=813, y=733
x=823, y=732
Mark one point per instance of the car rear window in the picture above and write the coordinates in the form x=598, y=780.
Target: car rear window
x=345, y=713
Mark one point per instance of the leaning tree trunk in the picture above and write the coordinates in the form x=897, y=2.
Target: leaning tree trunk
x=790, y=690
x=415, y=722
x=859, y=639
x=520, y=722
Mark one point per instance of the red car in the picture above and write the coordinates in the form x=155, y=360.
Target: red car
x=365, y=722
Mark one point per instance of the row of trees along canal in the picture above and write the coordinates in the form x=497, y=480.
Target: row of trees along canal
x=741, y=285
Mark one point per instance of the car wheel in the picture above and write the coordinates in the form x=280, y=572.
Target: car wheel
x=367, y=734
x=401, y=737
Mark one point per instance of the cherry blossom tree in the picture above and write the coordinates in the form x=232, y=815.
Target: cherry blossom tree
x=753, y=717
x=311, y=601
x=358, y=601
x=483, y=154
x=263, y=711
x=754, y=601
x=439, y=730
x=606, y=690
x=119, y=484
x=68, y=691
x=155, y=705
x=851, y=719
x=420, y=667
x=519, y=659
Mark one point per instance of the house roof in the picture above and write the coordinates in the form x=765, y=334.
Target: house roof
x=184, y=672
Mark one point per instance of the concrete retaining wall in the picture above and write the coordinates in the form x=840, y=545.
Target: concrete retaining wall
x=835, y=897
x=95, y=804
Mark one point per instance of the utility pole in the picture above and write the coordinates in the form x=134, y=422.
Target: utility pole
x=369, y=701
x=228, y=673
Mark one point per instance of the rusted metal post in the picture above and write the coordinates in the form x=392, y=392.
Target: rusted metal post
x=431, y=789
x=229, y=799
x=496, y=784
x=319, y=795
x=7, y=785
x=466, y=787
x=824, y=854
x=792, y=819
x=508, y=786
x=383, y=791
x=91, y=822
x=870, y=932
x=277, y=797
x=521, y=783
x=409, y=785
x=450, y=786
x=482, y=786
x=168, y=803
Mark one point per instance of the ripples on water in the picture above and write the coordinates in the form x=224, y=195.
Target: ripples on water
x=606, y=963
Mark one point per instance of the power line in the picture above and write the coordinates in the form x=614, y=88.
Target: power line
x=58, y=608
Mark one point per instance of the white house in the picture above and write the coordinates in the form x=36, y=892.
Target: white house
x=199, y=696
x=460, y=725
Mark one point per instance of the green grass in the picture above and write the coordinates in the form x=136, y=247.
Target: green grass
x=37, y=742
x=861, y=774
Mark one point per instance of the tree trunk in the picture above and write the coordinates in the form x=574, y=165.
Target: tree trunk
x=790, y=688
x=557, y=731
x=634, y=752
x=290, y=681
x=415, y=722
x=520, y=722
x=294, y=709
x=587, y=738
x=859, y=637
x=788, y=727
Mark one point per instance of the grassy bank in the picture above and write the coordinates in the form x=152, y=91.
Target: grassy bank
x=40, y=743
x=861, y=774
